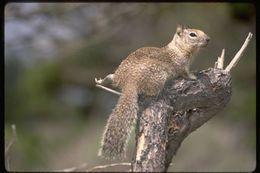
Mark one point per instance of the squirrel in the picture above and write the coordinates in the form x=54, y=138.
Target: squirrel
x=145, y=71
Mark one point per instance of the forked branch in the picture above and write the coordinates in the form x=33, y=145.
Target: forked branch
x=182, y=107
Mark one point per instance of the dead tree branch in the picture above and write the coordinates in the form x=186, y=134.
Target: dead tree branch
x=73, y=169
x=183, y=106
x=107, y=166
x=108, y=89
x=238, y=55
x=83, y=167
x=9, y=145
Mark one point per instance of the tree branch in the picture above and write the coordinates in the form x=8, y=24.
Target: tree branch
x=183, y=106
x=108, y=89
x=107, y=166
x=107, y=80
x=239, y=53
x=9, y=145
x=76, y=168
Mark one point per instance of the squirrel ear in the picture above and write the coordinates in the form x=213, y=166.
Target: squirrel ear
x=179, y=29
x=186, y=26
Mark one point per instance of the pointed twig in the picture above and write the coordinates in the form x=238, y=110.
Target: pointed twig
x=239, y=53
x=108, y=89
x=107, y=80
x=7, y=149
x=78, y=168
x=107, y=166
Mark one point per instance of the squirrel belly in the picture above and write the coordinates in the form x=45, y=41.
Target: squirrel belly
x=119, y=125
x=145, y=71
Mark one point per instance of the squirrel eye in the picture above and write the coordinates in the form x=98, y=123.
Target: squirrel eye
x=192, y=34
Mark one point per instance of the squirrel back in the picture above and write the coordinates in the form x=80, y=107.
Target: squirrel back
x=144, y=72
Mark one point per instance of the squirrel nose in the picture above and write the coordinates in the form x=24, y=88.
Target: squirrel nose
x=207, y=39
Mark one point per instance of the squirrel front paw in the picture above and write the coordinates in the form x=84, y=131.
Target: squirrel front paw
x=107, y=80
x=192, y=76
x=98, y=81
x=189, y=76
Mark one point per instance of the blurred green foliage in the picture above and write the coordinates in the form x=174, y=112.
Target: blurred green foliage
x=242, y=11
x=37, y=88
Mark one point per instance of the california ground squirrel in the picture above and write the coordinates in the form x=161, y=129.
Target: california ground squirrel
x=145, y=71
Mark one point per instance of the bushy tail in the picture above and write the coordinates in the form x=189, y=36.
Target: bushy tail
x=119, y=125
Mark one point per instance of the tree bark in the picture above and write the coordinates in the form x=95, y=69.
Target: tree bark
x=182, y=107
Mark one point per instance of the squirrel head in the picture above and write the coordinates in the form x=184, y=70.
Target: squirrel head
x=188, y=39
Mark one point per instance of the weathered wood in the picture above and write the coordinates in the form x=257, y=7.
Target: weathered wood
x=182, y=107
